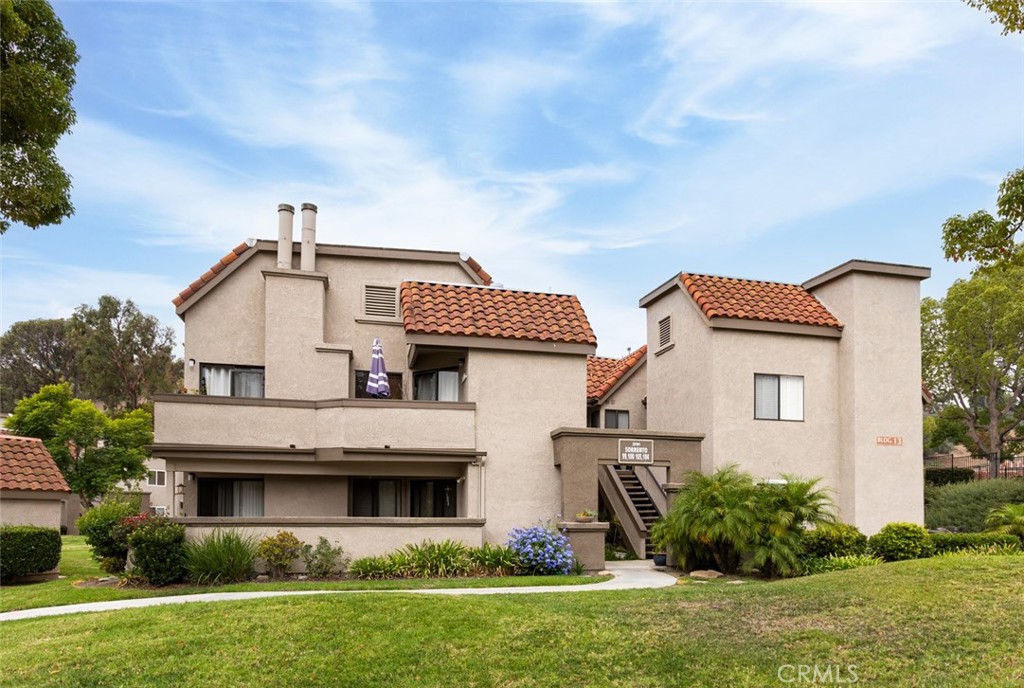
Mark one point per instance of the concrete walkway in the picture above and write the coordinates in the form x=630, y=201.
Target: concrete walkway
x=627, y=575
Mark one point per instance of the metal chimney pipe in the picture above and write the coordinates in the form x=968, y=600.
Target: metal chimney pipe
x=308, y=255
x=285, y=222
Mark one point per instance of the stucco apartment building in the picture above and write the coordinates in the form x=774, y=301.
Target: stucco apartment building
x=500, y=415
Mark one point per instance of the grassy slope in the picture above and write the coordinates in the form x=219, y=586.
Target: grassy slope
x=77, y=564
x=936, y=622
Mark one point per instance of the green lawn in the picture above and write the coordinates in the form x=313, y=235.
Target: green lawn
x=77, y=564
x=952, y=621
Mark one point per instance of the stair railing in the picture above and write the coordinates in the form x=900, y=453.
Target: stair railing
x=618, y=499
x=653, y=487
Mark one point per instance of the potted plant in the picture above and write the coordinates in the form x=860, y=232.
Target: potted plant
x=586, y=516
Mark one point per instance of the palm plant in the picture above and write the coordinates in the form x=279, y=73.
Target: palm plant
x=1009, y=519
x=786, y=509
x=714, y=517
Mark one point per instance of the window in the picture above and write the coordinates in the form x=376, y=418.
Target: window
x=436, y=385
x=778, y=397
x=616, y=419
x=380, y=302
x=363, y=376
x=664, y=332
x=158, y=510
x=433, y=498
x=231, y=381
x=375, y=497
x=230, y=497
x=157, y=478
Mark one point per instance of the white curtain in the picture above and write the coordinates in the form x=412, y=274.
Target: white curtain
x=217, y=381
x=791, y=397
x=388, y=494
x=247, y=383
x=448, y=385
x=248, y=498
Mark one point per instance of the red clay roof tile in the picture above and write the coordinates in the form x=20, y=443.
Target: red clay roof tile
x=435, y=308
x=208, y=276
x=604, y=373
x=728, y=297
x=25, y=464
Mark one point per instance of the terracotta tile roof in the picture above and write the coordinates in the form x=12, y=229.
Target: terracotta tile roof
x=25, y=464
x=603, y=373
x=207, y=276
x=435, y=308
x=475, y=267
x=728, y=297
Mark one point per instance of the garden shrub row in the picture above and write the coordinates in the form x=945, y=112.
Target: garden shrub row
x=25, y=550
x=948, y=476
x=952, y=542
x=964, y=506
x=539, y=550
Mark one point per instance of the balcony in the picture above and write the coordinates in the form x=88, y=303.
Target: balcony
x=297, y=424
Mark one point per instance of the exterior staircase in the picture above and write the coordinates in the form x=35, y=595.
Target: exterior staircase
x=642, y=502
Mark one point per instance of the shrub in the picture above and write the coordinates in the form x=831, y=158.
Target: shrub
x=99, y=525
x=900, y=541
x=222, y=556
x=494, y=560
x=541, y=550
x=445, y=559
x=726, y=518
x=948, y=476
x=831, y=562
x=371, y=568
x=158, y=551
x=953, y=542
x=1008, y=519
x=26, y=550
x=835, y=539
x=964, y=506
x=279, y=551
x=324, y=559
x=1001, y=549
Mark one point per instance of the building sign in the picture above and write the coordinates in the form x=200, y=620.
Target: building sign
x=889, y=441
x=636, y=451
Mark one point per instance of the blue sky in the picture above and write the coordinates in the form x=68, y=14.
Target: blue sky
x=595, y=149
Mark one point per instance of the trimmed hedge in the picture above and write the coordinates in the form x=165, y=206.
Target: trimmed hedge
x=101, y=527
x=25, y=550
x=948, y=476
x=900, y=541
x=964, y=506
x=954, y=542
x=834, y=540
x=158, y=551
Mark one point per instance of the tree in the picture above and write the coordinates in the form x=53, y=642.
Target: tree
x=985, y=239
x=972, y=346
x=34, y=353
x=37, y=74
x=93, y=451
x=1009, y=13
x=124, y=355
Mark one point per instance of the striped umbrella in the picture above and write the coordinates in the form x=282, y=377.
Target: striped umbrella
x=377, y=384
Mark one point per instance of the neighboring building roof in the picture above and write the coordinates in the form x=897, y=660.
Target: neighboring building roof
x=604, y=373
x=455, y=309
x=235, y=253
x=25, y=464
x=728, y=297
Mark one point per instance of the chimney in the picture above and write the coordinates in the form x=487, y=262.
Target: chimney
x=285, y=221
x=308, y=256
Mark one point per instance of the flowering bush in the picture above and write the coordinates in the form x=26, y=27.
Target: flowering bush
x=541, y=550
x=101, y=526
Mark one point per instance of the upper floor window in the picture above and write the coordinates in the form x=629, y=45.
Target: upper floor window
x=380, y=301
x=778, y=397
x=437, y=385
x=363, y=376
x=231, y=381
x=156, y=478
x=616, y=419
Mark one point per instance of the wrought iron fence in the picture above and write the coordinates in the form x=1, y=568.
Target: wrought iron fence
x=979, y=464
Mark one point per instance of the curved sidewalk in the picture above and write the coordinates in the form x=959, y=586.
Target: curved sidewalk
x=627, y=575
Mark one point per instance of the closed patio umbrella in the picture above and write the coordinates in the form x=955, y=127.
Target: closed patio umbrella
x=377, y=384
